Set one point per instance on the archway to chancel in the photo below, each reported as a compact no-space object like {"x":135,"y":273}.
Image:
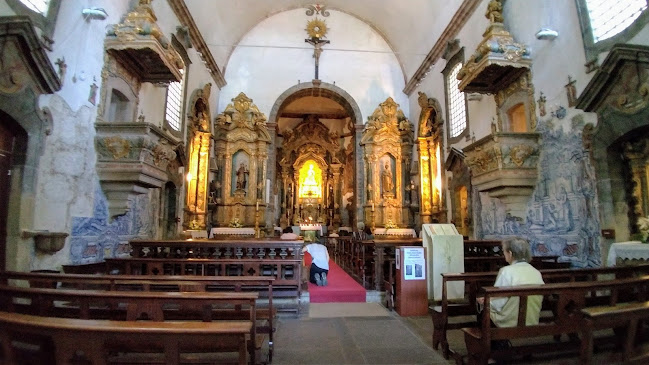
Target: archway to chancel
{"x":318,"y":129}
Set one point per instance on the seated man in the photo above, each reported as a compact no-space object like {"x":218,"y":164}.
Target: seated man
{"x":504,"y":311}
{"x":287,"y":234}
{"x":363,"y":233}
{"x":319,"y":264}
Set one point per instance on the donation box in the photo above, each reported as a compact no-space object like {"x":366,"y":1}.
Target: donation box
{"x":411,"y":297}
{"x":444,"y":254}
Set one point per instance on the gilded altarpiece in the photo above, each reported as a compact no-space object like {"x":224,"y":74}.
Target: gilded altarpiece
{"x":429,"y":144}
{"x":387,"y":144}
{"x":311,"y":175}
{"x":240,"y":154}
{"x":198,"y":168}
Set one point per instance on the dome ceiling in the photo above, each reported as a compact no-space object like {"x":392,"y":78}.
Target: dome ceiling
{"x":410,"y":27}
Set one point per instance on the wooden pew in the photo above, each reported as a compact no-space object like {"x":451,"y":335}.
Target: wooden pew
{"x":261,"y":284}
{"x":129,"y":306}
{"x":281,"y":259}
{"x":624,"y":315}
{"x":567,"y":300}
{"x":96,"y":339}
{"x":474,"y":282}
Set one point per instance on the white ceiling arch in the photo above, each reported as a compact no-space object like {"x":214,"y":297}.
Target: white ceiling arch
{"x":411,"y":28}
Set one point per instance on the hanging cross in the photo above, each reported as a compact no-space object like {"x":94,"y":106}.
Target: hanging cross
{"x":317,"y":43}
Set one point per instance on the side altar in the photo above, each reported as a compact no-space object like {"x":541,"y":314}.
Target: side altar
{"x":237,"y":195}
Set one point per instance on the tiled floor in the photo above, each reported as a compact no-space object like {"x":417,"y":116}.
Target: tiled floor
{"x":388,"y":339}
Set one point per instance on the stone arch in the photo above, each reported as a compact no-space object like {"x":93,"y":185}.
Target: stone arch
{"x":323,"y":89}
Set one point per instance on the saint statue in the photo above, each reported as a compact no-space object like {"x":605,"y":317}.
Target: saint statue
{"x":386,"y":179}
{"x":242,"y":176}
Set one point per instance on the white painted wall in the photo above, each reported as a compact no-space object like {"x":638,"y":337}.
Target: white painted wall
{"x":273,"y":57}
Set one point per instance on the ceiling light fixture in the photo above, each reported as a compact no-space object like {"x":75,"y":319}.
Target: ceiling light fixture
{"x":94,"y":13}
{"x":547,"y":34}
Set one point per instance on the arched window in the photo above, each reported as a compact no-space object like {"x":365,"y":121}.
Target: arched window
{"x":605,"y":23}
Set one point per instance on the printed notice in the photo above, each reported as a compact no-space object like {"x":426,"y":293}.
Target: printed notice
{"x":414,"y":263}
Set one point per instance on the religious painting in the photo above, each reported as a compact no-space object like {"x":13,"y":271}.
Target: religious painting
{"x":240,"y":171}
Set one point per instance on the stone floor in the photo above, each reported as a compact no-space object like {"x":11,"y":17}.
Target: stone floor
{"x":384,"y":339}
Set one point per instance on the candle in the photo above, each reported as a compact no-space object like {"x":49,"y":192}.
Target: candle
{"x":372,"y":206}
{"x":257,"y":208}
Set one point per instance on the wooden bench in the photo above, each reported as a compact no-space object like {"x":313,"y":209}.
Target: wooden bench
{"x":61,"y":340}
{"x":129,"y":306}
{"x":567,"y":301}
{"x":622,"y":315}
{"x":474,"y":282}
{"x":263,"y":285}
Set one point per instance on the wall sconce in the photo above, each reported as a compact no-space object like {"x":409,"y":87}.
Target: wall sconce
{"x":547,"y":34}
{"x":94,"y":13}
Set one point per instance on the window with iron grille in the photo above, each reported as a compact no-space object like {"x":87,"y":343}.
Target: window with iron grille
{"x":39,"y":6}
{"x":456,"y":103}
{"x":174,"y":104}
{"x":608,"y":18}
{"x":605,"y":23}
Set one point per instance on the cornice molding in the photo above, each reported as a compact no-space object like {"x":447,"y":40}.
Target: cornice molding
{"x":459,"y":20}
{"x":184,"y":16}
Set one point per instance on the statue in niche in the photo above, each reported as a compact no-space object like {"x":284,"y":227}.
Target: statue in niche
{"x":212,"y":192}
{"x":242,"y":177}
{"x":387,"y":181}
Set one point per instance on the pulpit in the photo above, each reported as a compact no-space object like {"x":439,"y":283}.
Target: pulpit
{"x":445,"y":253}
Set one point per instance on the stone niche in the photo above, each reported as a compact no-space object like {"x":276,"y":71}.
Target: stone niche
{"x":134,"y":155}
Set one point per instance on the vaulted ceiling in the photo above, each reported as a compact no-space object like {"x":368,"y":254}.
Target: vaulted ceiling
{"x":412,"y":28}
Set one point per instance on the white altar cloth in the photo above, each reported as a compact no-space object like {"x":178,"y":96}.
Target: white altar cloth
{"x":395,"y":232}
{"x":312,"y":227}
{"x":232,"y":231}
{"x":633,"y":250}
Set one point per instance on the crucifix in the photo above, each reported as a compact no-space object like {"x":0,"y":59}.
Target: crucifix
{"x":317,"y":44}
{"x":316,"y":29}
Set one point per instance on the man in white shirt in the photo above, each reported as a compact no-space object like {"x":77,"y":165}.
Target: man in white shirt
{"x":320,"y":263}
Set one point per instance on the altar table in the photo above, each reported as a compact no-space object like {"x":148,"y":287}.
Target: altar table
{"x":401,"y":232}
{"x":632,"y":250}
{"x":249,"y":231}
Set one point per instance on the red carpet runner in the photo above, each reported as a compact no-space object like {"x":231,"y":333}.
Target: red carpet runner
{"x":341,"y":289}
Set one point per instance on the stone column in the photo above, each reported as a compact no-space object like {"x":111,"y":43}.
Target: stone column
{"x":359,"y":179}
{"x":273,"y":212}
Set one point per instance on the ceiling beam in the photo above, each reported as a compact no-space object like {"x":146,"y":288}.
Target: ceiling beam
{"x":182,"y":12}
{"x":452,"y":29}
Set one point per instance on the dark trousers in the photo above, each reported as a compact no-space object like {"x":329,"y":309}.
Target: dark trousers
{"x":495,"y":344}
{"x":315,"y":270}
